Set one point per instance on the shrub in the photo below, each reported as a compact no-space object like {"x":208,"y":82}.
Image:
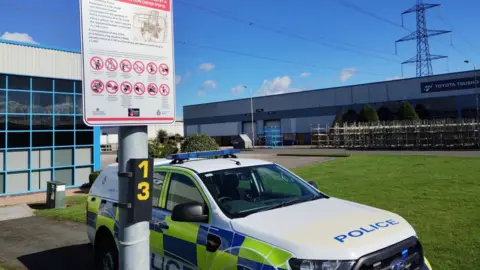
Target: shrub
{"x":162,"y":136}
{"x":368,"y":114}
{"x":350,"y":116}
{"x":385,"y":114}
{"x":407,"y":112}
{"x":199,"y":142}
{"x":170,"y":148}
{"x":422,"y":112}
{"x":93,"y":176}
{"x":155,"y":149}
{"x":338,"y":119}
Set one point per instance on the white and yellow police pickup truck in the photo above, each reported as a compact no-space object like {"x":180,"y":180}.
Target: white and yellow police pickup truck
{"x":232,"y":213}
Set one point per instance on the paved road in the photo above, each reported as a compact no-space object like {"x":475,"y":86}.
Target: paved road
{"x":36,"y":243}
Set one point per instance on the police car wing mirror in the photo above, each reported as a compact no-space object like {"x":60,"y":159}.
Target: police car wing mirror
{"x":313,"y":184}
{"x":189,"y":212}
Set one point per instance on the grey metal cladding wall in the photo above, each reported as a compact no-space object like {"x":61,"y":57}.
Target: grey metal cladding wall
{"x":318,"y":102}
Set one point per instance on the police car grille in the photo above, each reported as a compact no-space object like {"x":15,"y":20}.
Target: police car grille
{"x":405,"y":255}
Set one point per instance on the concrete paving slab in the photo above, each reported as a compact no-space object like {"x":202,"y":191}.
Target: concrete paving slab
{"x":36,"y":243}
{"x":14,"y":212}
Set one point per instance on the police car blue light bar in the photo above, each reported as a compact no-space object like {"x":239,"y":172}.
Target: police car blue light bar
{"x":203,"y":154}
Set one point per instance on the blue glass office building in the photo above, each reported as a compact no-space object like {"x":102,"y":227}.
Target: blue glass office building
{"x":42,"y":134}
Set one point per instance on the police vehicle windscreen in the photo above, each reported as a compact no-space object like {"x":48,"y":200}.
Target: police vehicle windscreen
{"x":243,"y":191}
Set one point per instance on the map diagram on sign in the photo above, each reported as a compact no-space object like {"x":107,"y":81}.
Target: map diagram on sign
{"x":152,"y":27}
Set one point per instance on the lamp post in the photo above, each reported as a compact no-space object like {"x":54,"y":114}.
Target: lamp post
{"x":475,"y":80}
{"x":251,"y":114}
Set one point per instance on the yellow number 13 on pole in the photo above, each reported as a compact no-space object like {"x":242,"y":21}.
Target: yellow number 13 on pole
{"x":143,"y":187}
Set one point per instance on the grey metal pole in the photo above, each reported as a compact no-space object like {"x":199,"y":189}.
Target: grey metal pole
{"x":475,"y":79}
{"x":134,"y":239}
{"x":251,"y":112}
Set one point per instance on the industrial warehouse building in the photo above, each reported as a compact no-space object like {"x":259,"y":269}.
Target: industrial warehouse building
{"x":43,"y":137}
{"x":450,"y":95}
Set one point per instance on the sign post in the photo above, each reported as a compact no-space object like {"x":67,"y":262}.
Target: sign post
{"x":128,"y":81}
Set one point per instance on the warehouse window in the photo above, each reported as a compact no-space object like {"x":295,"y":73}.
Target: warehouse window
{"x":42,"y":103}
{"x":42,"y":122}
{"x":19,"y":82}
{"x":65,"y":86}
{"x":42,"y":84}
{"x":80,"y":124}
{"x":78,"y":87}
{"x":18,"y":139}
{"x":64,"y":123}
{"x":19,"y":122}
{"x":3,"y":101}
{"x":3,"y":81}
{"x":18,"y":102}
{"x":64,"y":138}
{"x":64,"y":104}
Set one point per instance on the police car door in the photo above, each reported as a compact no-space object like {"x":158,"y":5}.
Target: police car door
{"x":179,"y":239}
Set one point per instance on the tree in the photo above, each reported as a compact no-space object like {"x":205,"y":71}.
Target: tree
{"x":199,"y":142}
{"x":407,"y":112}
{"x":422,"y":112}
{"x":385,"y":114}
{"x":368,"y":114}
{"x":350,"y":116}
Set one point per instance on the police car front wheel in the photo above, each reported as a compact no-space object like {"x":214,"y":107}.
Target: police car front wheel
{"x":106,"y":255}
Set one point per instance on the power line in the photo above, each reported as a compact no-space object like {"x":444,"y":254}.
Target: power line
{"x":278,"y":60}
{"x":283,"y":31}
{"x":269,"y":58}
{"x":387,"y":21}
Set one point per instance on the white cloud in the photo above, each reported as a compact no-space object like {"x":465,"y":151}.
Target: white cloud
{"x":20,"y":37}
{"x":209,"y":84}
{"x":347,"y":73}
{"x":278,"y":85}
{"x":207,"y":67}
{"x":178,"y":79}
{"x":305,"y":74}
{"x":238,"y":89}
{"x":201,"y":93}
{"x":393,"y":78}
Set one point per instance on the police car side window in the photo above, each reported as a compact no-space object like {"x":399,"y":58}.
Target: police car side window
{"x":182,"y":189}
{"x":158,"y":178}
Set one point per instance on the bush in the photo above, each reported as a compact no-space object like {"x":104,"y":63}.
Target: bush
{"x":155,"y":149}
{"x":199,"y":142}
{"x":162,"y":136}
{"x":368,"y":114}
{"x":350,"y":116}
{"x":385,"y":114}
{"x":422,"y":112}
{"x":407,"y":112}
{"x":170,"y":148}
{"x":338,"y":119}
{"x":93,"y":176}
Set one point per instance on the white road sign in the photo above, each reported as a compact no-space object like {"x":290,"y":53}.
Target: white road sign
{"x":127,"y":52}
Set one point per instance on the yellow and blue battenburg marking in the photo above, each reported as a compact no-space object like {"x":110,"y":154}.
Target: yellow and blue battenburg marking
{"x":104,"y":213}
{"x":236,"y":251}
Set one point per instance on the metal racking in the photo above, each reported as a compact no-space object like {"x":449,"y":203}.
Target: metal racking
{"x":273,"y":137}
{"x":419,"y":134}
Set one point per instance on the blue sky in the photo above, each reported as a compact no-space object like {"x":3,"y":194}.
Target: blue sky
{"x":359,"y":47}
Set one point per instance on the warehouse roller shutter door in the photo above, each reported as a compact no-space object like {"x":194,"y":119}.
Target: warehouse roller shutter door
{"x":247,"y":128}
{"x":273,"y":124}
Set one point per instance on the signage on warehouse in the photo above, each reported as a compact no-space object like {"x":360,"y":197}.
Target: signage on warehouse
{"x":449,"y":85}
{"x":127,"y":52}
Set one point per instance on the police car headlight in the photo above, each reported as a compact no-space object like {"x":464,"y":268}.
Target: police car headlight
{"x":298,"y":264}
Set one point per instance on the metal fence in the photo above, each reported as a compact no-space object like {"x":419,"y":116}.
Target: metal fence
{"x":421,"y":134}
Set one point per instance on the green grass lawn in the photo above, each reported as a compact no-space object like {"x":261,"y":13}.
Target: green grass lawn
{"x":439,"y":196}
{"x":74,"y":210}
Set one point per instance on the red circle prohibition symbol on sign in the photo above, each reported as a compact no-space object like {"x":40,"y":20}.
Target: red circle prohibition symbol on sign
{"x":126,"y":88}
{"x":151,"y":68}
{"x":96,"y":63}
{"x":97,"y":86}
{"x":111,"y":64}
{"x":164,"y":89}
{"x":112,"y":87}
{"x":163,"y":69}
{"x":125,"y":65}
{"x":152,"y":89}
{"x":139,"y":88}
{"x":139,"y":67}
